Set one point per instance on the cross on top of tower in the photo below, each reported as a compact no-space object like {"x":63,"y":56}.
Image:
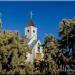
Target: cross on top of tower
{"x":30,"y":23}
{"x":31,"y":14}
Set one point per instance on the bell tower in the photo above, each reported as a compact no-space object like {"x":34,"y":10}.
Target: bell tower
{"x":31,"y":29}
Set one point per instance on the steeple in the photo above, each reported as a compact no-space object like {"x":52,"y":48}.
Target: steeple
{"x":30,"y":23}
{"x":31,"y":29}
{"x":31,"y":14}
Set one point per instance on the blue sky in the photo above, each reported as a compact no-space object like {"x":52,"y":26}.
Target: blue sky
{"x":46,"y":16}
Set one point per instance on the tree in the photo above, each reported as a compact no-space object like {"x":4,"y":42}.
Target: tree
{"x":67,"y":41}
{"x":50,"y":47}
{"x":67,"y":34}
{"x":13,"y":54}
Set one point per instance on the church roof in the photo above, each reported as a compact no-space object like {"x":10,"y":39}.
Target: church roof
{"x":33,"y":44}
{"x":30,"y":23}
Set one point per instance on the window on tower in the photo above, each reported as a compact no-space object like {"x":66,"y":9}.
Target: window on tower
{"x":28,"y":30}
{"x":34,"y":31}
{"x":38,"y":47}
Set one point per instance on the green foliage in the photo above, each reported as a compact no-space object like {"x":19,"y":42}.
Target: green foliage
{"x":13,"y":50}
{"x":67,"y":42}
{"x":67,"y":32}
{"x":50,"y":51}
{"x":13,"y":53}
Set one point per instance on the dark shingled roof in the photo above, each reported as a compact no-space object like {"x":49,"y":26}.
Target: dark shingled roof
{"x":30,"y":23}
{"x":33,"y":44}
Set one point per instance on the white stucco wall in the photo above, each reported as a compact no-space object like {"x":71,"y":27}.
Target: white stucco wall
{"x":31,"y":57}
{"x":31,"y":32}
{"x":33,"y":36}
{"x":35,"y":50}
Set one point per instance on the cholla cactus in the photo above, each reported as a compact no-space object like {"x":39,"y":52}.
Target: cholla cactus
{"x":50,"y":50}
{"x":67,"y":41}
{"x":65,"y":27}
{"x":12,"y":53}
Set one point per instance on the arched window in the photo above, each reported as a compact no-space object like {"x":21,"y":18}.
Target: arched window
{"x":34,"y":31}
{"x":27,"y":30}
{"x":38,"y":47}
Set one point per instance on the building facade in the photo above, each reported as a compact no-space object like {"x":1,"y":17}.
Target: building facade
{"x":33,"y":42}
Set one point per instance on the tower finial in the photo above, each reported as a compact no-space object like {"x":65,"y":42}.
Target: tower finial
{"x":31,"y":14}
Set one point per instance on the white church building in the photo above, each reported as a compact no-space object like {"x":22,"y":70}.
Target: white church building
{"x":33,"y":42}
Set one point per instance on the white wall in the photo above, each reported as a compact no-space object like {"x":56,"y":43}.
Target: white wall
{"x":33,"y":36}
{"x":30,"y":34}
{"x":35,"y":49}
{"x":31,"y":57}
